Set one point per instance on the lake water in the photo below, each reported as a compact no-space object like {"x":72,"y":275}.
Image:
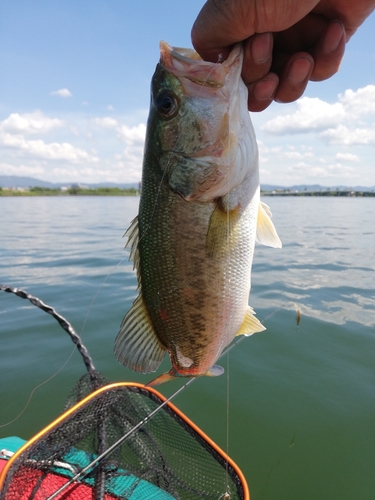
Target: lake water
{"x":302,"y":398}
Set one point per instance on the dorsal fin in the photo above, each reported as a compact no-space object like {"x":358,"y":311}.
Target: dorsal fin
{"x":266,"y":232}
{"x":132,"y":233}
{"x":137,"y":345}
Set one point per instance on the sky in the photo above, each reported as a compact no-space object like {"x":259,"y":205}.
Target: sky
{"x":75,"y":86}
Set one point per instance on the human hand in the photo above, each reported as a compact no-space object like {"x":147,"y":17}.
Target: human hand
{"x":286,"y":42}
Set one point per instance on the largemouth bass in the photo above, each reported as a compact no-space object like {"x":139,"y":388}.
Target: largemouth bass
{"x":199,"y":217}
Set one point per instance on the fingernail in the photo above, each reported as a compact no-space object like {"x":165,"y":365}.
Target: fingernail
{"x":332,"y":37}
{"x":264,"y":90}
{"x":299,"y":70}
{"x":261,"y":47}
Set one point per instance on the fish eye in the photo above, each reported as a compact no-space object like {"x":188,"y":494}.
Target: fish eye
{"x":166,"y":103}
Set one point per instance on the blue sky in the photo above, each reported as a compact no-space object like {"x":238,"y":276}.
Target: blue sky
{"x":74,"y":97}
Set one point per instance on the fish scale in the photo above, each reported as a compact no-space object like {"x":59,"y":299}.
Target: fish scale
{"x":199,"y":217}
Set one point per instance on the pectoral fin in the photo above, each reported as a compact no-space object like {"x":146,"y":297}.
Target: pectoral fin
{"x":266,"y":232}
{"x":219,"y":237}
{"x":250,"y":324}
{"x":137,"y":345}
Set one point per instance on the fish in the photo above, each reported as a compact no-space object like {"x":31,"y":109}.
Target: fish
{"x":192,"y":242}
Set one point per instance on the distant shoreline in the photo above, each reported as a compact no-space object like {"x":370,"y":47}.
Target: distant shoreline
{"x":343,"y":193}
{"x":76,"y":191}
{"x":73,"y":191}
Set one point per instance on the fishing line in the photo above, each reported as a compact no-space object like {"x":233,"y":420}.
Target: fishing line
{"x":66,"y":326}
{"x":228,"y":372}
{"x":97,"y":293}
{"x":30,"y":397}
{"x":227,"y":418}
{"x":112,"y":448}
{"x":69,"y":329}
{"x":242,"y":337}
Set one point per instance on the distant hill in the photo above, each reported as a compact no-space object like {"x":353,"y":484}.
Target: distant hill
{"x":16,"y":181}
{"x":23,"y":182}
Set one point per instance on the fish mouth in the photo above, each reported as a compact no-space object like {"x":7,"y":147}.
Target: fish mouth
{"x":187,"y":63}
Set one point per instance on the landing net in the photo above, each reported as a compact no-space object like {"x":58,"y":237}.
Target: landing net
{"x":165,"y":457}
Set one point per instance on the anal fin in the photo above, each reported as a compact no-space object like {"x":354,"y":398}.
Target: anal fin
{"x":250,"y":324}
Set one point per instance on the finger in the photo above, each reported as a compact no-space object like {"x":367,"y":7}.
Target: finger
{"x":257,"y":57}
{"x":329,"y":52}
{"x":262,"y":92}
{"x":294,"y":77}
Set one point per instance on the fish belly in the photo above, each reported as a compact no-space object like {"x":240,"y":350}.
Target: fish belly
{"x":196,"y":301}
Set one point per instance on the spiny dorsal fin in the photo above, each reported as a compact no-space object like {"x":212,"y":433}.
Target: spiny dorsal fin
{"x":132,"y":233}
{"x":137,"y":345}
{"x":266,"y":232}
{"x":250,"y":324}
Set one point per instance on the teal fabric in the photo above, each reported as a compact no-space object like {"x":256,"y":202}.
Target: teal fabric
{"x":12,"y":443}
{"x":119,"y":485}
{"x":122,"y":484}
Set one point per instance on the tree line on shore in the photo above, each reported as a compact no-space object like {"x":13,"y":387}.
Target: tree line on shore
{"x":71,"y":191}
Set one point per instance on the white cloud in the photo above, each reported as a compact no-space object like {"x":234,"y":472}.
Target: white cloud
{"x":359,"y":102}
{"x":312,"y":114}
{"x":106,"y":122}
{"x":336,"y":123}
{"x":347,"y":157}
{"x":29,"y":123}
{"x":295,"y":155}
{"x":52,"y":151}
{"x":303,"y":171}
{"x":345,"y":136}
{"x":133,"y":135}
{"x":62,"y":93}
{"x":25,"y":170}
